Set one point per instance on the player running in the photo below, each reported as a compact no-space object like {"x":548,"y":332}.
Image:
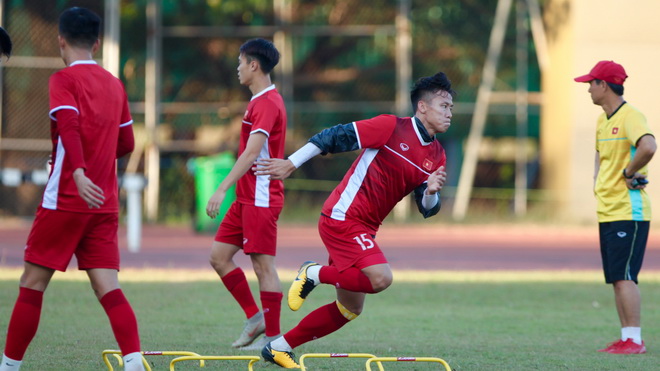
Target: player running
{"x":400,"y":155}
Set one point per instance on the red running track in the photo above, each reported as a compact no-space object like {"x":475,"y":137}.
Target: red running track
{"x":426,"y":247}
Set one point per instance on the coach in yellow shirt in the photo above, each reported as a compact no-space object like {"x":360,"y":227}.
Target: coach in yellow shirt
{"x":624,"y":146}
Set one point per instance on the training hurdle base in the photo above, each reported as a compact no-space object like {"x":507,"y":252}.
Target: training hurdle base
{"x":301,"y":361}
{"x":378,"y":360}
{"x":117,"y":355}
{"x":252,"y":359}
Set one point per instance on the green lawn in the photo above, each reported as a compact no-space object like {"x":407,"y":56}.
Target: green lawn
{"x":475,"y":321}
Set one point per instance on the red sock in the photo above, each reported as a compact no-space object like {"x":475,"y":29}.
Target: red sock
{"x":352,"y":279}
{"x":321,"y":322}
{"x":272,"y":305}
{"x":237,"y":285}
{"x":122,"y":320}
{"x":23,"y":323}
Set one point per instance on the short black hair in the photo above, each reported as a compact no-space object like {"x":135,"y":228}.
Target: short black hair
{"x":616,"y":88}
{"x":430,"y":85}
{"x":263,"y":51}
{"x":5,"y":43}
{"x":80,"y":27}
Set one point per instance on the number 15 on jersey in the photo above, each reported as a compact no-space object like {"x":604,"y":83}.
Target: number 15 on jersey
{"x":364,"y":241}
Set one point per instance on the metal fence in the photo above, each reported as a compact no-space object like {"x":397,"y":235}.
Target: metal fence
{"x":341,"y":62}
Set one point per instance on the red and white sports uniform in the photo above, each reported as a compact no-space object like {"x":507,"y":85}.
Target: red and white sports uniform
{"x":251,"y":221}
{"x":266,"y":114}
{"x":394,"y":162}
{"x":102,"y":106}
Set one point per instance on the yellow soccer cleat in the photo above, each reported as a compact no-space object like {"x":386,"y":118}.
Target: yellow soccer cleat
{"x":301,"y":287}
{"x":282,"y":359}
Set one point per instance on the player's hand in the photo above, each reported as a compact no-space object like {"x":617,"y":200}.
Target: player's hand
{"x":638,"y":184}
{"x":275,"y":168}
{"x":213,"y":206}
{"x":90,"y":192}
{"x":436,"y":181}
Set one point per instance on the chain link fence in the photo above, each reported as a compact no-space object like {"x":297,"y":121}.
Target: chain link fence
{"x":343,"y":67}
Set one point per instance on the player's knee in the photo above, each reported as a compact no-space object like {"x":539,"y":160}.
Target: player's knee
{"x":214,"y":262}
{"x":265,"y":274}
{"x":218,"y":263}
{"x":381,"y":281}
{"x":264,"y":269}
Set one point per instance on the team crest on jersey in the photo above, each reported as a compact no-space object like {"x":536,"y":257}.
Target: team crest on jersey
{"x":615,"y":130}
{"x":427,"y":164}
{"x":404,"y":147}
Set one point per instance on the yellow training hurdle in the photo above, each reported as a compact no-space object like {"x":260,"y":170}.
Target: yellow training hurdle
{"x":252,"y":359}
{"x":117,"y":355}
{"x":378,"y":360}
{"x":335,"y":355}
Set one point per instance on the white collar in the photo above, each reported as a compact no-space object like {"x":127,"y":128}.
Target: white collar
{"x":419,"y":135}
{"x":91,"y":61}
{"x":272,"y":87}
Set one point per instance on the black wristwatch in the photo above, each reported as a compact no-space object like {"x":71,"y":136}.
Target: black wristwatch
{"x":626,"y":176}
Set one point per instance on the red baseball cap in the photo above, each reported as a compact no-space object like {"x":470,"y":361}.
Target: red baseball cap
{"x":608,"y":71}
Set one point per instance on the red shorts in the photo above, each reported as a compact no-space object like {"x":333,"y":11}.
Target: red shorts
{"x":349,"y":244}
{"x":57,"y":235}
{"x":252,"y":228}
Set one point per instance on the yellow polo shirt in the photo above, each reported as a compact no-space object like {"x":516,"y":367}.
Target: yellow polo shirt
{"x":616,"y":138}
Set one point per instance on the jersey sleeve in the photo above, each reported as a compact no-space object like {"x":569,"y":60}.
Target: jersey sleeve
{"x":61,"y":90}
{"x":374,"y":132}
{"x":68,"y":124}
{"x":126,"y":118}
{"x":419,"y":197}
{"x":636,"y":127}
{"x":265,"y":114}
{"x":336,"y":139}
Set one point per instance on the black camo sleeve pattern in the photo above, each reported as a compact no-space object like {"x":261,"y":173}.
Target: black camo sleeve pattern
{"x":337,"y":139}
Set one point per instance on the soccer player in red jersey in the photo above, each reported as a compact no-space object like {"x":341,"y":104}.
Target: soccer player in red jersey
{"x":91,"y":127}
{"x":400,"y":155}
{"x":251,"y":222}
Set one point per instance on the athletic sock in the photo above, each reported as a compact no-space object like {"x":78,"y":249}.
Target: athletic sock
{"x":281,"y":344}
{"x":313,"y":273}
{"x":239,"y":288}
{"x":271,"y":303}
{"x":351,"y":279}
{"x":24,"y":322}
{"x":122,"y":321}
{"x":133,"y":362}
{"x":319,"y":323}
{"x":9,"y":364}
{"x":634,"y":333}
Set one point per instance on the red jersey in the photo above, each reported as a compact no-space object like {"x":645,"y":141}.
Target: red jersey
{"x":266,"y":114}
{"x":395,"y":161}
{"x":100,"y":101}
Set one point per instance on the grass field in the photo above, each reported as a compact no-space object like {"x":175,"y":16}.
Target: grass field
{"x":473,"y":320}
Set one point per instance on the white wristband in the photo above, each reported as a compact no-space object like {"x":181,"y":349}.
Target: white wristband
{"x":304,"y":154}
{"x":429,"y":201}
